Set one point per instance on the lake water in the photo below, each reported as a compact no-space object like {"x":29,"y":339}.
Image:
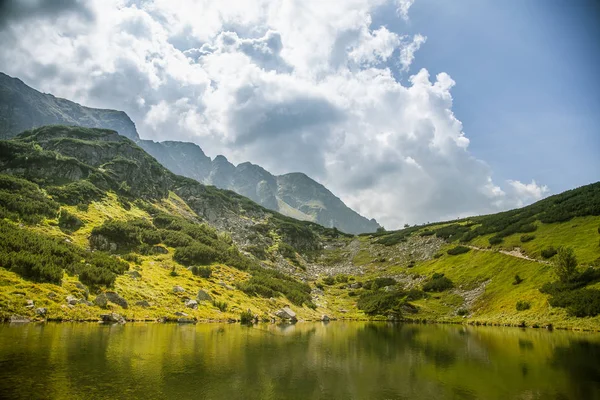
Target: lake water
{"x":304,"y":361}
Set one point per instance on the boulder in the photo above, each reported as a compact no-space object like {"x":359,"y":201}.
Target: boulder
{"x":203,"y":296}
{"x":180,"y":314}
{"x":18,"y":319}
{"x":41,"y":311}
{"x":186,"y":321}
{"x":112,"y":318}
{"x":101,"y":300}
{"x":142,"y":303}
{"x":29,"y":304}
{"x":355,"y":285}
{"x":83,"y":288}
{"x":286,"y":313}
{"x":51,"y":295}
{"x":325,"y":318}
{"x":72,"y":300}
{"x":113,"y":297}
{"x":178,"y":289}
{"x":134,"y":274}
{"x":159,"y":250}
{"x":193,"y":304}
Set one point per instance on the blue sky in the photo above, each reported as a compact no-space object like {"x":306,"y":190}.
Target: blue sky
{"x":527,"y":81}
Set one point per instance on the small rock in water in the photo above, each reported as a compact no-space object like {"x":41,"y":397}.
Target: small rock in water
{"x":112,"y":318}
{"x":325,"y":318}
{"x":18,"y":319}
{"x":287,"y":314}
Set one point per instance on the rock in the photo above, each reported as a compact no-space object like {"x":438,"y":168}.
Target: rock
{"x":324,"y":318}
{"x":181,"y":314}
{"x":355,"y":285}
{"x":18,"y":319}
{"x":87,"y":303}
{"x":389,"y":289}
{"x":178,"y":289}
{"x":193,"y":304}
{"x":83,"y":288}
{"x":29,"y":304}
{"x":343,"y":311}
{"x":134,"y":274}
{"x":51,"y":295}
{"x":286,"y":313}
{"x":203,"y":296}
{"x":142,"y":303}
{"x":112,"y":318}
{"x":159,"y":250}
{"x":41,"y":311}
{"x":186,"y":321}
{"x":226,"y":286}
{"x":72,"y":300}
{"x":113,"y":297}
{"x":101,"y":300}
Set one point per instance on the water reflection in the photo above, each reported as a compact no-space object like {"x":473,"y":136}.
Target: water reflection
{"x":304,"y":361}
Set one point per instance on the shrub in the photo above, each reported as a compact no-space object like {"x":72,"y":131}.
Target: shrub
{"x":196,"y":254}
{"x":427,"y":233}
{"x":23,"y":200}
{"x":579,"y":303}
{"x":221,"y":305}
{"x":462,"y":311}
{"x":176,"y":239}
{"x":69,"y":222}
{"x":495,"y":240}
{"x":458,"y":250}
{"x":517,"y":280}
{"x":123,"y":233}
{"x":80,"y":192}
{"x":271,"y":283}
{"x":437,"y":283}
{"x":150,"y":237}
{"x":527,"y":238}
{"x":437,"y":255}
{"x":378,"y":283}
{"x":246,"y":317}
{"x":341,"y":278}
{"x":549,"y":252}
{"x":203,"y":272}
{"x":380,"y":302}
{"x":522,"y":305}
{"x":329,"y":280}
{"x":565,"y":264}
{"x":132,"y":257}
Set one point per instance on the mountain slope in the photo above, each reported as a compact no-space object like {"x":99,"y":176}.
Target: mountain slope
{"x":22,"y":107}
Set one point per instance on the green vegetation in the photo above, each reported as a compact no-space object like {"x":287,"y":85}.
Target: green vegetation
{"x":438,"y":283}
{"x":549,"y":252}
{"x":246,"y":317}
{"x":565,"y":264}
{"x":458,"y":250}
{"x":526,"y":238}
{"x":522,"y":305}
{"x":21,"y":200}
{"x":79,"y":192}
{"x":270,"y":283}
{"x":203,"y":272}
{"x":69,"y":222}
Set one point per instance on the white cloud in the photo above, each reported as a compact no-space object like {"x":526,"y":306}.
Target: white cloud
{"x":294,"y":85}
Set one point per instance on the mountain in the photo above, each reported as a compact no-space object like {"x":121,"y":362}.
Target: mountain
{"x":92,"y":224}
{"x":22,"y":108}
{"x":295,"y":194}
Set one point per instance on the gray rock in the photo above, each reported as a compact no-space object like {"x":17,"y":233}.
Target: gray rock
{"x":72,"y":300}
{"x":134,"y":274}
{"x":193,"y":304}
{"x":83,"y":288}
{"x":18,"y":319}
{"x":29,"y":304}
{"x":112,"y":318}
{"x":324,"y":318}
{"x":203,"y":296}
{"x":186,"y":321}
{"x":355,"y":285}
{"x":101,"y":300}
{"x":52,"y":295}
{"x":142,"y":303}
{"x":178,"y":289}
{"x":41,"y":311}
{"x":286,"y":313}
{"x":180,"y":314}
{"x":113,"y":297}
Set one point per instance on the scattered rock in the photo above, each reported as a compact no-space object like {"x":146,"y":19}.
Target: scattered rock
{"x":203,"y":296}
{"x":83,"y":288}
{"x":178,"y":289}
{"x":134,"y":274}
{"x":142,"y":303}
{"x":181,"y":314}
{"x":324,"y":318}
{"x":41,"y":311}
{"x":193,"y":304}
{"x":112,"y":318}
{"x":355,"y":285}
{"x":51,"y":295}
{"x":18,"y":319}
{"x":29,"y":304}
{"x":72,"y":300}
{"x":113,"y":297}
{"x":286,"y":313}
{"x":101,"y":300}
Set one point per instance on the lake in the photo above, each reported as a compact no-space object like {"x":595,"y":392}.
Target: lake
{"x":339,"y":360}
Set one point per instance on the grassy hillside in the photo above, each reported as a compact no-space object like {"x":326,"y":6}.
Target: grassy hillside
{"x":91,"y":223}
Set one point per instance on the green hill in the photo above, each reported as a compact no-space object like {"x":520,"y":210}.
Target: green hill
{"x":90,"y":222}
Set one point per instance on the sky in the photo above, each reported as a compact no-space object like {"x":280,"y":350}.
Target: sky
{"x":410,"y":111}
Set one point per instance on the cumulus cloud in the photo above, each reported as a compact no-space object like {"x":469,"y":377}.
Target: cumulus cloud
{"x":294,"y":85}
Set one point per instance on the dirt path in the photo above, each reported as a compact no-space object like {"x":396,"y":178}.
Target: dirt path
{"x":516,"y":252}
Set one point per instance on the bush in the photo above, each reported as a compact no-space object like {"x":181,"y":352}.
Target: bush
{"x":80,"y":192}
{"x":203,"y":272}
{"x":271,"y":283}
{"x":527,"y":238}
{"x":517,"y":280}
{"x":150,"y":237}
{"x":549,"y":252}
{"x":341,"y":278}
{"x":380,"y":302}
{"x":522,"y":305}
{"x":196,"y":254}
{"x":379,"y":283}
{"x":23,"y":200}
{"x":565,"y":264}
{"x":176,"y":239}
{"x":69,"y":222}
{"x":246,"y":317}
{"x":462,"y":312}
{"x":495,"y":240}
{"x":458,"y":250}
{"x":437,"y":283}
{"x":132,"y":257}
{"x":579,"y":303}
{"x":427,"y":233}
{"x":221,"y":305}
{"x":329,"y":280}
